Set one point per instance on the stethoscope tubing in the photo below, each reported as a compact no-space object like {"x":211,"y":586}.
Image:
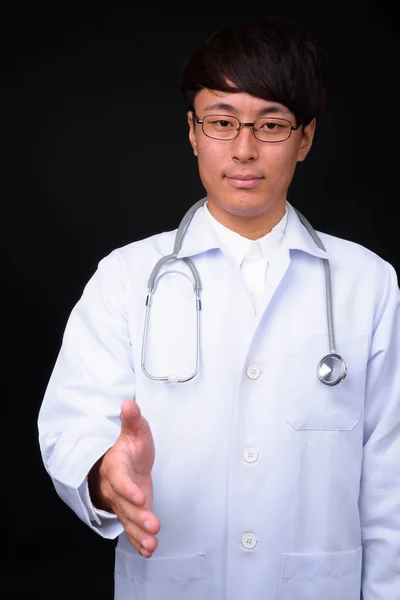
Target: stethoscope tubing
{"x":331,"y":369}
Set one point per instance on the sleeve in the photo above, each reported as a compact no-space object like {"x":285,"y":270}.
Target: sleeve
{"x":78,"y":420}
{"x":379,"y":501}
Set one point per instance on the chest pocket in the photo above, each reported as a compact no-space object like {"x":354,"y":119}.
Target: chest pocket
{"x":310,"y":404}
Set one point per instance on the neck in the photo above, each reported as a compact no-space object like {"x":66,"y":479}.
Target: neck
{"x":253,"y":226}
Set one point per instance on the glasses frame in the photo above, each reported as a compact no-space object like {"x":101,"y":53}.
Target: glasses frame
{"x":238,"y":129}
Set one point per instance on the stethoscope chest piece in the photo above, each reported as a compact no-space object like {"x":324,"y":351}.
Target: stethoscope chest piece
{"x":332,"y":369}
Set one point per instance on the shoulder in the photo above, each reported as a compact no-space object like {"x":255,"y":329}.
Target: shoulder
{"x":359,"y":264}
{"x":138,"y":255}
{"x":352,"y":253}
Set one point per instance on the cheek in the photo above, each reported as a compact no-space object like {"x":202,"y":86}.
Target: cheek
{"x":208,"y":152}
{"x":210,"y":160}
{"x":280,"y":163}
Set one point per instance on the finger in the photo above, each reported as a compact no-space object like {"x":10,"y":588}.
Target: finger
{"x":140,"y":527}
{"x":140,"y":539}
{"x":132,"y":422}
{"x":120,"y":480}
{"x":139,"y":548}
{"x":143,"y":519}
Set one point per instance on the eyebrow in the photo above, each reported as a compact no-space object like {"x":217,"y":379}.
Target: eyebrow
{"x":268,"y":110}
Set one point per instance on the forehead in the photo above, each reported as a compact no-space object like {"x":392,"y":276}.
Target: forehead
{"x":237,"y":103}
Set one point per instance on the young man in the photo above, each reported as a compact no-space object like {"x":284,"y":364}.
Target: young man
{"x":239,"y":428}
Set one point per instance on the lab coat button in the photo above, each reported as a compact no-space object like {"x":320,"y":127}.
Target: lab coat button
{"x":249,"y":541}
{"x":253,"y":371}
{"x":250,"y":455}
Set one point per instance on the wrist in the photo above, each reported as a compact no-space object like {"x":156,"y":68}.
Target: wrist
{"x":96,"y":487}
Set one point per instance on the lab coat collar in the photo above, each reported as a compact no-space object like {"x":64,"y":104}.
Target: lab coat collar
{"x":297,"y":237}
{"x":200,"y":236}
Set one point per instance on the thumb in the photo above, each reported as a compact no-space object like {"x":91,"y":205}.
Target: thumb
{"x":132,"y":422}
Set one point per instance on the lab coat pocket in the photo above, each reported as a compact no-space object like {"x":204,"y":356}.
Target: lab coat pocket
{"x":312,"y":404}
{"x":169,"y":578}
{"x":324,"y":576}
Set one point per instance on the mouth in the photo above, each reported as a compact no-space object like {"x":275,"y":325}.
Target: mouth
{"x":244,"y":181}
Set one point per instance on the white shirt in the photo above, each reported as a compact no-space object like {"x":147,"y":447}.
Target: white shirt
{"x":252,"y":256}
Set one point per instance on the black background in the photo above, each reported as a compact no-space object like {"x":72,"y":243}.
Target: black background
{"x":94,"y":154}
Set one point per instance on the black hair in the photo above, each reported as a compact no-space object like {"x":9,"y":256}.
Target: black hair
{"x":270,"y":58}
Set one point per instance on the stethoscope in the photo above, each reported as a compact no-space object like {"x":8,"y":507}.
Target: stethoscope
{"x":331,"y":369}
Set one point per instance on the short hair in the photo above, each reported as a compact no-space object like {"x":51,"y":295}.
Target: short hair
{"x":270,"y":58}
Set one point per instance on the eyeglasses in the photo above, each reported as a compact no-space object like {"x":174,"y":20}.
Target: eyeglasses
{"x":225,"y":127}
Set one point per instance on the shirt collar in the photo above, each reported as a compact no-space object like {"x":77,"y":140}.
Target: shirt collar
{"x":200,"y":235}
{"x":238,"y":247}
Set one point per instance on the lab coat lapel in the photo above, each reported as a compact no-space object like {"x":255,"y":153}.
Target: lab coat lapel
{"x":296,"y":238}
{"x":199,"y":236}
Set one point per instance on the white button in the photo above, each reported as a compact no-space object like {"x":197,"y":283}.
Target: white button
{"x":250,"y":455}
{"x":253,"y":371}
{"x":249,"y":541}
{"x":254,"y":250}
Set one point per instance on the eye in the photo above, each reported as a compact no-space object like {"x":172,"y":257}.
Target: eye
{"x":271,"y":125}
{"x":220,"y":127}
{"x":223,"y":123}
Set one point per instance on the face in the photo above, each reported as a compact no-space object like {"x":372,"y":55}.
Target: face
{"x":246,"y":180}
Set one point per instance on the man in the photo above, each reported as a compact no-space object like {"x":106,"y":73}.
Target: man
{"x":234,"y":415}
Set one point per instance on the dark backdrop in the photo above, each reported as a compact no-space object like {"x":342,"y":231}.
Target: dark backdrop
{"x":94,"y":154}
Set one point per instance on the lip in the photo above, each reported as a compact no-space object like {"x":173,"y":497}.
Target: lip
{"x":244,"y":181}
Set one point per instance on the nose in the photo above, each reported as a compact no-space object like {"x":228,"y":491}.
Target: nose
{"x":245,"y":145}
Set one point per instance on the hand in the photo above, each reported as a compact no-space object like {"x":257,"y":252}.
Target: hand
{"x":121,"y":480}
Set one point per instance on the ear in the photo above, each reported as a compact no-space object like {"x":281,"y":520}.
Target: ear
{"x":306,"y":140}
{"x":192,"y":132}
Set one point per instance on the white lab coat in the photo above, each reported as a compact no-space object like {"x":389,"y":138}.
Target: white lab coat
{"x":268,"y":484}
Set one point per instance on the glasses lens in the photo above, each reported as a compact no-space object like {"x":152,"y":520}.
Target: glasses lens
{"x":221,"y":127}
{"x":272,"y":130}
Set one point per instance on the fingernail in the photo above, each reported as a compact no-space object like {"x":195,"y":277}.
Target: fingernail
{"x":135,"y":499}
{"x":147,"y":525}
{"x":145,"y":544}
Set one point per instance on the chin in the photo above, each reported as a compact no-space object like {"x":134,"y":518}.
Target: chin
{"x":245,"y":203}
